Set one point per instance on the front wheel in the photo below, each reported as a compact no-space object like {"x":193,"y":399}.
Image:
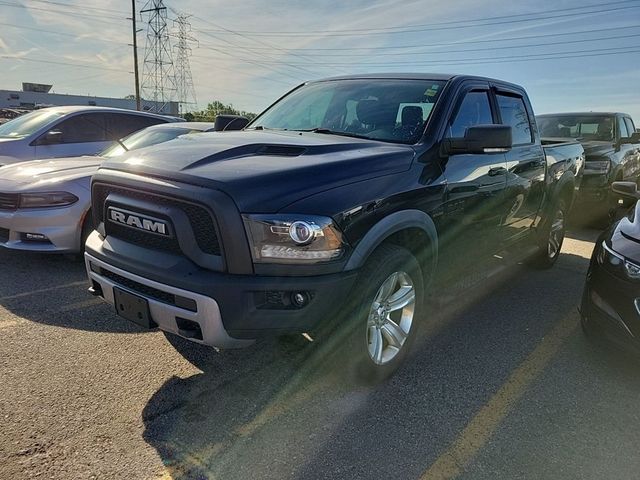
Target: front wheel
{"x":383,"y":322}
{"x":551,"y":237}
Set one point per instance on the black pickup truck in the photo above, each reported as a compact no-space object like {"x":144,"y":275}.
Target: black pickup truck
{"x":612,"y":149}
{"x":337,"y":207}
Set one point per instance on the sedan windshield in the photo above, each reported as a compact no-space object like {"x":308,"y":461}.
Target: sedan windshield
{"x":588,"y":127}
{"x":145,"y":138}
{"x":27,"y":124}
{"x":389,"y":110}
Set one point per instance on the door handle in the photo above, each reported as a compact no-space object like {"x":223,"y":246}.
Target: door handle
{"x":495,"y":171}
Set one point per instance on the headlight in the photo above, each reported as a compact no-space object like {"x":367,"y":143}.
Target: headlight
{"x":293,"y":238}
{"x":47,"y":199}
{"x":617,"y":264}
{"x":597,"y":166}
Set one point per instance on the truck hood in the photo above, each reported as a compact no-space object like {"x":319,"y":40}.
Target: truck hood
{"x":594,"y":149}
{"x":47,"y":172}
{"x":264,"y":171}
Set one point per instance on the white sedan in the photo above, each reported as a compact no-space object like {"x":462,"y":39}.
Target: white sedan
{"x":45,"y":204}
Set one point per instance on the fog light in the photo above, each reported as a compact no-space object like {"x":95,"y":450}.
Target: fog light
{"x":34,"y":237}
{"x":300,"y":299}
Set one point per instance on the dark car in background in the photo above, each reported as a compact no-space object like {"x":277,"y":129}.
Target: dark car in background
{"x":612,"y":149}
{"x":611,"y":300}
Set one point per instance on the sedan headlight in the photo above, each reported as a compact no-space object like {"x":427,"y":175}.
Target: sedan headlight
{"x":46,"y":199}
{"x":597,"y":167}
{"x":293,"y":238}
{"x":617,"y":264}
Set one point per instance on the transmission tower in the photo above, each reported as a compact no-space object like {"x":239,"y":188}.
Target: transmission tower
{"x":158,"y":78}
{"x":186,"y":93}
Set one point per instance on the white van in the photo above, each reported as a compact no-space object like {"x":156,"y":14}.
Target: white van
{"x":69,"y":131}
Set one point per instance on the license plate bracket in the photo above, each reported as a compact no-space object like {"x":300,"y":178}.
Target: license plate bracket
{"x":133,"y":307}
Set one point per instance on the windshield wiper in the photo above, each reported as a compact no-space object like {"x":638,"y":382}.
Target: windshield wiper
{"x":328,"y":131}
{"x":122,"y":145}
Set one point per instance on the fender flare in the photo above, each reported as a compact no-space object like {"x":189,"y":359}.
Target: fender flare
{"x":389,"y":225}
{"x":566,"y":179}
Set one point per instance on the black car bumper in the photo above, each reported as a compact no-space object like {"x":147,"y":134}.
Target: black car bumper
{"x":225,"y":307}
{"x":610,"y":305}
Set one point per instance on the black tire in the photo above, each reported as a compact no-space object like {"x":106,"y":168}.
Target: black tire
{"x":550,"y":239}
{"x":386,"y":261}
{"x":200,"y":356}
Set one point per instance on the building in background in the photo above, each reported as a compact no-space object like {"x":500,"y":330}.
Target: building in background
{"x":36,"y":95}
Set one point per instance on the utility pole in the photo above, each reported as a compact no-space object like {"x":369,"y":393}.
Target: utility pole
{"x":135,"y":53}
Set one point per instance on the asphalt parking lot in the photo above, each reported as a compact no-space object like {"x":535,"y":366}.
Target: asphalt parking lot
{"x":502,"y":385}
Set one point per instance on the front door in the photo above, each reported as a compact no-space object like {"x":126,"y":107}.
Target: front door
{"x":474,"y":195}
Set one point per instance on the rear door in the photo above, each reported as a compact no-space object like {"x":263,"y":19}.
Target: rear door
{"x":81,"y":134}
{"x":526,"y":163}
{"x":474,"y":196}
{"x":119,"y":125}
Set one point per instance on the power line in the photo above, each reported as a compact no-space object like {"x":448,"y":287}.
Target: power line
{"x":104,"y":18}
{"x":53,"y":62}
{"x":432,"y":27}
{"x":484,"y":49}
{"x":74,"y":7}
{"x":461,"y":42}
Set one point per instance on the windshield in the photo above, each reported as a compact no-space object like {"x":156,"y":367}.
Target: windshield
{"x":145,"y":138}
{"x":388,"y":110}
{"x":27,"y":124}
{"x":588,"y":127}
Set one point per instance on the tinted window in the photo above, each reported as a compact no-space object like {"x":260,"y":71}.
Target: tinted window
{"x":27,"y":124}
{"x":631,"y":129}
{"x":474,"y":110}
{"x":514,"y":113}
{"x":588,"y":127}
{"x":119,"y":125}
{"x":83,"y":128}
{"x":622,"y":129}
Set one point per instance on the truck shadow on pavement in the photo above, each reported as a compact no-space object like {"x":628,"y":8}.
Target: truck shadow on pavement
{"x":280,"y":410}
{"x":52,"y":290}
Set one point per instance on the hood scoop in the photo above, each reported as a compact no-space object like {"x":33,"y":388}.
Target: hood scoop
{"x":280,"y":150}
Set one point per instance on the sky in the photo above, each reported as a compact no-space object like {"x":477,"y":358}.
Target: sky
{"x":570,"y":55}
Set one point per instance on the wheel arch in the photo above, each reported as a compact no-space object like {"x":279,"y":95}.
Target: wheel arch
{"x":411,"y":229}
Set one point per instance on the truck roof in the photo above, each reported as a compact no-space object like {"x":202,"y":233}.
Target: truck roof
{"x":413,"y":76}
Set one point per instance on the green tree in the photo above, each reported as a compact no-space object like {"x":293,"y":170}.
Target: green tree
{"x":214,"y":109}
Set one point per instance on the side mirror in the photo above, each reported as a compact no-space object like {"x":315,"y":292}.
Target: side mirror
{"x":634,"y":138}
{"x":52,"y":137}
{"x":224,"y":123}
{"x":480,"y":139}
{"x":626,"y":189}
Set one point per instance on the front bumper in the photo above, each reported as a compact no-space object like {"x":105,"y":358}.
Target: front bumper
{"x":229,"y":309}
{"x":61,"y":226}
{"x":612,"y":304}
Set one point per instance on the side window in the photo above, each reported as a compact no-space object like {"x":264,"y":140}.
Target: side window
{"x":119,"y":125}
{"x":631,"y":129}
{"x":83,"y":128}
{"x":474,"y":110}
{"x":514,"y":113}
{"x":622,"y":128}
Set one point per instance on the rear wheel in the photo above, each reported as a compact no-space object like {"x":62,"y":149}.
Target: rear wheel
{"x":383,"y":322}
{"x":552,"y":237}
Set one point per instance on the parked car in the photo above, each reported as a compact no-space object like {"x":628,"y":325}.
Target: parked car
{"x":44,"y":204}
{"x":612,"y":149}
{"x":336,"y":208}
{"x":69,"y":131}
{"x":611,"y":301}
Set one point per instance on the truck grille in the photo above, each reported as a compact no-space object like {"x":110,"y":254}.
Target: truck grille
{"x":199,"y":217}
{"x":9,"y":201}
